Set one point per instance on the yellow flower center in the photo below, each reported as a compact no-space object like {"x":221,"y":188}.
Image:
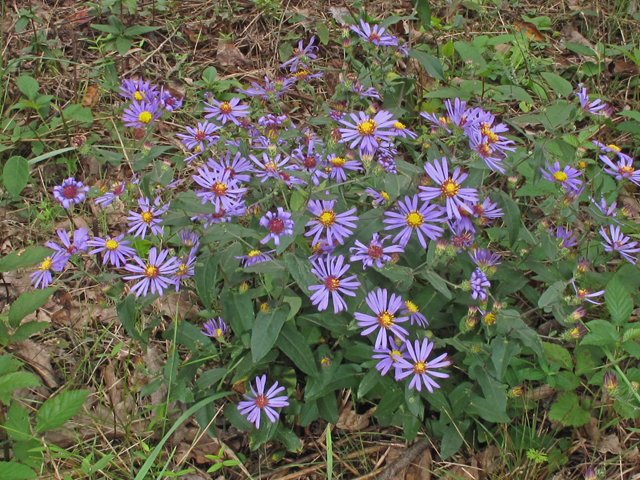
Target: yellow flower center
{"x":614,"y":147}
{"x":444,"y":120}
{"x":367,"y":127}
{"x":147,"y":217}
{"x":145,"y":117}
{"x":111,"y":245}
{"x":449,"y":188}
{"x":414,"y":219}
{"x":395,"y":355}
{"x":225,"y":108}
{"x":218,"y":332}
{"x":271,"y":167}
{"x":332,"y":283}
{"x":419,"y":367}
{"x":182,"y":270}
{"x":138,"y":95}
{"x":384,"y":195}
{"x":151,"y":271}
{"x":219,"y":189}
{"x":264,"y":307}
{"x":626,"y":170}
{"x":412,"y":307}
{"x":385,"y":319}
{"x":327,"y":218}
{"x":253,"y":253}
{"x":490,"y":318}
{"x":301,"y":74}
{"x":338,"y":161}
{"x":399,"y":126}
{"x":560,"y":176}
{"x":47,"y":263}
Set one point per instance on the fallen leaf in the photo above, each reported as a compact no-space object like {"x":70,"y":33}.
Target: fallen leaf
{"x":530,"y":30}
{"x":540,"y":392}
{"x":350,"y":421}
{"x":625,"y":69}
{"x":592,"y":431}
{"x":490,"y":459}
{"x":228,"y":55}
{"x":571,"y":35}
{"x":38,"y":358}
{"x":610,"y":444}
{"x":91,"y":97}
{"x":337,"y":13}
{"x":421,"y":470}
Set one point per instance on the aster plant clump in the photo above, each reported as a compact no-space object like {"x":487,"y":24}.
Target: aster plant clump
{"x":405,"y":251}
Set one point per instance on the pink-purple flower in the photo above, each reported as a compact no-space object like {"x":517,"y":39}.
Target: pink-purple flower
{"x":412,"y":218}
{"x":567,"y":176}
{"x":374,"y":253}
{"x":42,"y":277}
{"x":335,"y":226}
{"x":154,"y":274}
{"x":385,"y":309}
{"x":330,"y":271}
{"x":301,"y":56}
{"x":147,"y":218}
{"x":214,"y":328}
{"x":450,"y":187}
{"x":79,"y":244}
{"x":616,"y":241}
{"x":422,"y":369}
{"x":278,"y":224}
{"x":479,"y":284}
{"x":115,"y":249}
{"x":255,"y":256}
{"x":70,"y":192}
{"x":260,"y":401}
{"x":367,"y":132}
{"x":375,"y":34}
{"x":141,"y":114}
{"x":226,"y":111}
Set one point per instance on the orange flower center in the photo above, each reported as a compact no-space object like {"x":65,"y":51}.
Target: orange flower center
{"x":419,"y":368}
{"x":219,"y":189}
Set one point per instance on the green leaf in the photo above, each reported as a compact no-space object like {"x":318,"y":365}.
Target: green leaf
{"x":27,"y":329}
{"x":552,"y":295}
{"x":568,"y":411}
{"x":503,"y":351}
{"x":237,"y":308}
{"x":123,"y":44}
{"x":27,"y":303}
{"x":431,"y":64}
{"x":469,"y":52}
{"x":601,"y":333}
{"x":57,"y":410}
{"x":127,"y":315}
{"x":299,"y":268}
{"x":15,"y":175}
{"x":17,"y":424}
{"x":79,"y":113}
{"x":294,"y":346}
{"x":512,"y":216}
{"x":493,"y":406}
{"x":449,"y":92}
{"x":328,"y":408}
{"x":558,"y":84}
{"x":206,"y":276}
{"x":209,"y":75}
{"x":452,"y":440}
{"x":437,"y":282}
{"x":24,"y":258}
{"x":370,"y":380}
{"x":285,"y":51}
{"x":618,"y":301}
{"x":423,"y":9}
{"x":559,"y":354}
{"x":448,"y":49}
{"x":581,"y":49}
{"x":106,"y":29}
{"x":139,"y":30}
{"x":210,"y":377}
{"x":14,"y":381}
{"x":28,"y":85}
{"x":288,"y":438}
{"x":16,"y":471}
{"x":266,"y":330}
{"x":323,"y":33}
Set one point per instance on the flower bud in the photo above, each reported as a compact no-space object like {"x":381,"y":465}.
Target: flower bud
{"x":610,"y":382}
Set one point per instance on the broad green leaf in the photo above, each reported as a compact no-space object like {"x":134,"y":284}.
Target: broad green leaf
{"x":294,"y":346}
{"x":511,"y":215}
{"x":618,"y":301}
{"x":452,"y":439}
{"x":27,"y":329}
{"x":601,"y":333}
{"x":431,"y":64}
{"x":106,"y":29}
{"x":237,"y":308}
{"x":448,"y":49}
{"x":14,"y":381}
{"x":559,"y":114}
{"x":299,"y":268}
{"x":79,"y":113}
{"x":423,"y":9}
{"x":328,"y":408}
{"x":323,"y":33}
{"x":139,"y":30}
{"x":285,"y":51}
{"x":288,"y":437}
{"x":568,"y":411}
{"x":191,"y":337}
{"x":24,"y":258}
{"x":469,"y":52}
{"x":581,"y":49}
{"x":494,"y":404}
{"x":206,"y":276}
{"x":552,"y":295}
{"x":123,"y":44}
{"x":28,"y":85}
{"x":209,"y":75}
{"x":437,"y":282}
{"x":57,"y":410}
{"x":210,"y":377}
{"x":503,"y":351}
{"x":370,"y":380}
{"x":558,"y":84}
{"x":15,"y":175}
{"x":559,"y":354}
{"x":17,"y":424}
{"x":27,"y":303}
{"x":266,"y":330}
{"x":16,"y":471}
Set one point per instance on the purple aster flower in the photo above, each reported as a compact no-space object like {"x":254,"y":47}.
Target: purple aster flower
{"x":301,"y":56}
{"x":479,"y":284}
{"x":236,"y":167}
{"x":169,"y":102}
{"x":147,"y":218}
{"x":385,"y":309}
{"x":154,"y":274}
{"x":606,"y":210}
{"x":462,"y":233}
{"x":457,"y":115}
{"x":336,"y":225}
{"x":362,"y":91}
{"x":423,"y":371}
{"x":594,"y":107}
{"x":189,"y":238}
{"x":79,"y":244}
{"x":185,"y":268}
{"x":336,"y":167}
{"x":223,"y":216}
{"x":565,"y":237}
{"x":138,"y":90}
{"x":117,"y":190}
{"x":374,"y":35}
{"x":271,"y":91}
{"x":483,"y":122}
{"x":310,"y":163}
{"x":399,"y":129}
{"x":388,"y":357}
{"x":450,"y":188}
{"x":388,"y":165}
{"x":269,"y":168}
{"x":486,"y":212}
{"x":42,"y":277}
{"x":219,"y":188}
{"x":260,"y":401}
{"x":374,"y":252}
{"x":226,"y":111}
{"x":618,"y":242}
{"x":585,"y":294}
{"x":141,"y":114}
{"x":379,"y":198}
{"x":116,"y":250}
{"x":255,"y":256}
{"x":195,"y":138}
{"x":413,"y":219}
{"x":278,"y":224}
{"x":413,"y":311}
{"x":71,"y":191}
{"x":321,"y":248}
{"x":622,"y":169}
{"x":567,"y":177}
{"x":484,"y":258}
{"x":480,"y":144}
{"x":367,"y":132}
{"x":330,"y":270}
{"x":214,"y":328}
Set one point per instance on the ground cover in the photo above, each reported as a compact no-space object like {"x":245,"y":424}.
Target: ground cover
{"x":268,"y":240}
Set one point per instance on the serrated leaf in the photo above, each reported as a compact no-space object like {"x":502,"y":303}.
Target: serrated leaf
{"x":294,"y":346}
{"x":558,"y":84}
{"x":266,"y":330}
{"x":17,"y":424}
{"x":79,"y":113}
{"x":567,"y":410}
{"x":600,"y":333}
{"x":631,"y":334}
{"x":431,"y":64}
{"x":15,"y":175}
{"x":28,"y":85}
{"x":24,"y":258}
{"x":618,"y":301}
{"x":14,"y":381}
{"x":28,"y":303}
{"x":16,"y":471}
{"x":27,"y":329}
{"x":57,"y":410}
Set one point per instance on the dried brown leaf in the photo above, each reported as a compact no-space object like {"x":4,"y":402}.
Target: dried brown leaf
{"x":228,"y":55}
{"x":38,"y":358}
{"x":610,"y":444}
{"x":91,"y":97}
{"x":350,"y":421}
{"x":592,"y":431}
{"x":421,"y":469}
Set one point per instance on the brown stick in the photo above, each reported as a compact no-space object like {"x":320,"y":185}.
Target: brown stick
{"x":404,"y":460}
